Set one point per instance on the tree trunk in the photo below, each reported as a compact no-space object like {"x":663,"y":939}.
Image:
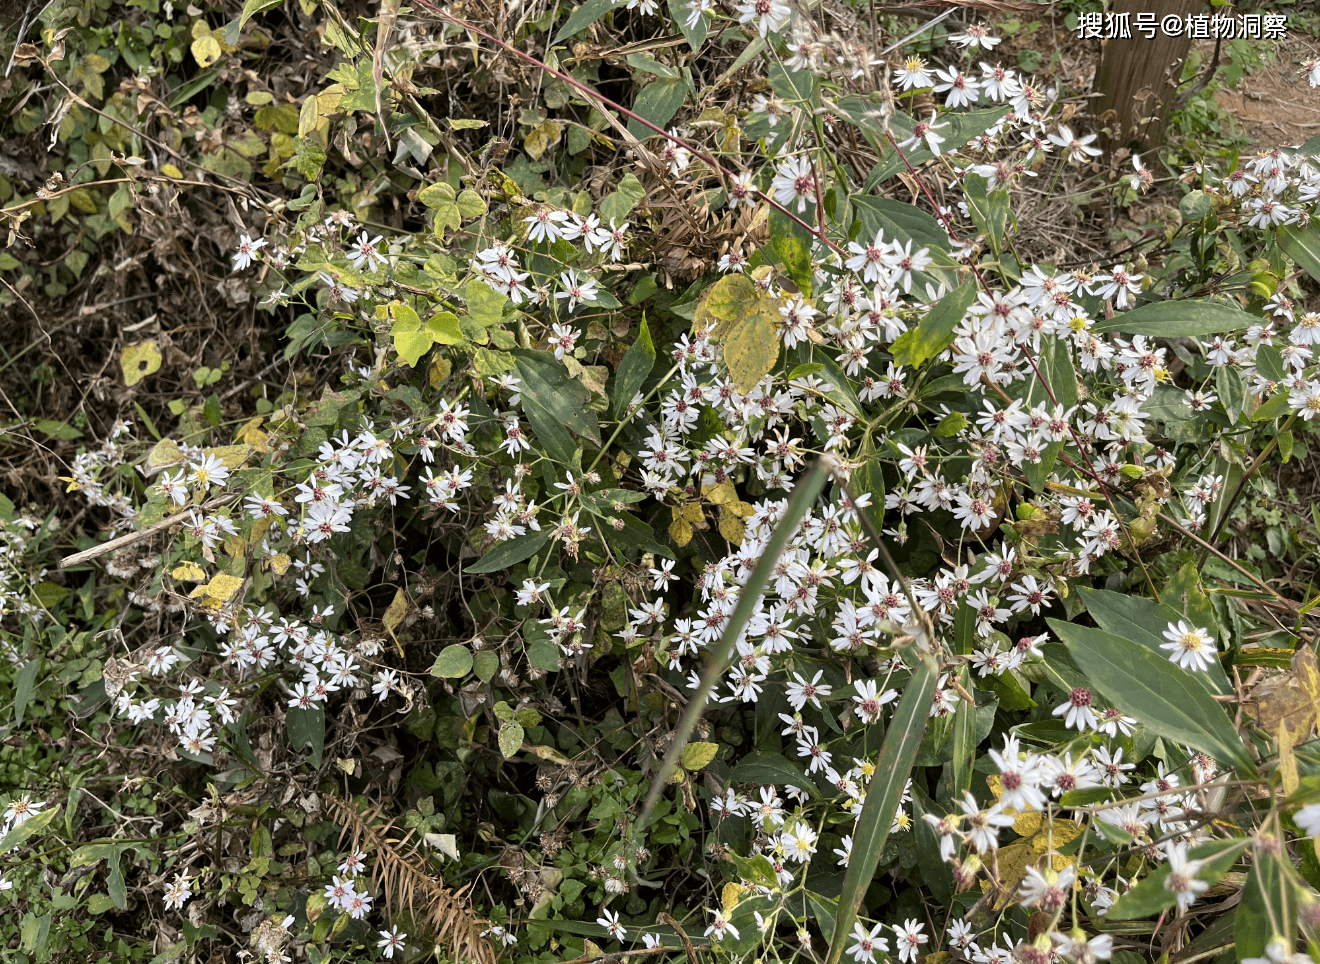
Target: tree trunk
{"x":1138,"y":75}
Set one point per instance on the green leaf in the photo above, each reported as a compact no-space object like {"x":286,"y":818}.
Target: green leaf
{"x":935,"y":331}
{"x":900,"y":221}
{"x":619,"y":204}
{"x":583,"y":17}
{"x":543,"y":655}
{"x":28,"y":829}
{"x":51,"y":428}
{"x":485,"y":665}
{"x":989,"y":209}
{"x":897,"y":754}
{"x":1151,"y":896}
{"x":792,"y":243}
{"x":1269,"y":905}
{"x":510,"y":739}
{"x":1303,"y":246}
{"x":24,"y":682}
{"x":658,"y":102}
{"x":307,"y":728}
{"x":1276,"y":406}
{"x":695,"y":36}
{"x":510,"y":553}
{"x":867,"y":114}
{"x":1143,"y":621}
{"x":1175,"y":319}
{"x":840,"y":390}
{"x":232,"y":31}
{"x":453,"y":662}
{"x":485,"y":305}
{"x":1154,"y":691}
{"x":555,"y":404}
{"x":1270,"y":363}
{"x":771,"y":769}
{"x":634,"y":368}
{"x":412,"y":345}
{"x":964,"y":741}
{"x":697,"y":755}
{"x":443,"y":328}
{"x":1055,"y":363}
{"x":794,"y":85}
{"x":1194,"y":206}
{"x":115,"y":885}
{"x":934,"y":871}
{"x":470,"y":204}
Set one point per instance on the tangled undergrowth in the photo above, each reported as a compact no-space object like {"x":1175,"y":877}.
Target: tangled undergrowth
{"x":718,"y":525}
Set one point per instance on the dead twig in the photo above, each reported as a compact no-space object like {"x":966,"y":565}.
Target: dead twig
{"x":133,"y":538}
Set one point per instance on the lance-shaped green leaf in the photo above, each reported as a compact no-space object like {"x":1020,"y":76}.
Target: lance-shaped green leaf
{"x":27,"y":829}
{"x":510,"y":553}
{"x":1143,"y":621}
{"x":554,"y":403}
{"x":804,"y":495}
{"x":934,"y":333}
{"x":1148,"y":687}
{"x":897,"y":754}
{"x":1303,"y":246}
{"x":1269,"y":904}
{"x":584,"y":16}
{"x":634,"y":368}
{"x":1175,"y":319}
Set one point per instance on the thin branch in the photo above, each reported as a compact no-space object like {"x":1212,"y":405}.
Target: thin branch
{"x":132,"y":538}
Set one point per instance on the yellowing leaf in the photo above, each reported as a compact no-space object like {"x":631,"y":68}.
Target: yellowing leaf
{"x":163,"y":453}
{"x":732,"y":527}
{"x":206,"y":50}
{"x":398,"y":608}
{"x":188,"y":572}
{"x":252,"y":435}
{"x":443,"y":328}
{"x":139,"y":361}
{"x":1287,"y":759}
{"x":721,"y":494}
{"x":1289,"y":706}
{"x":280,"y":563}
{"x":440,"y":369}
{"x":412,"y":345}
{"x":697,"y":755}
{"x":1038,"y":837}
{"x":730,"y":894}
{"x":541,"y":138}
{"x":231,"y":455}
{"x":169,"y":170}
{"x":546,"y":753}
{"x":745,"y":319}
{"x":680,"y":530}
{"x":1013,"y":863}
{"x":216,"y":592}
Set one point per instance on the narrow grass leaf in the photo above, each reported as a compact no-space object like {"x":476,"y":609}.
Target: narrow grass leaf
{"x":897,"y":754}
{"x":804,"y":496}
